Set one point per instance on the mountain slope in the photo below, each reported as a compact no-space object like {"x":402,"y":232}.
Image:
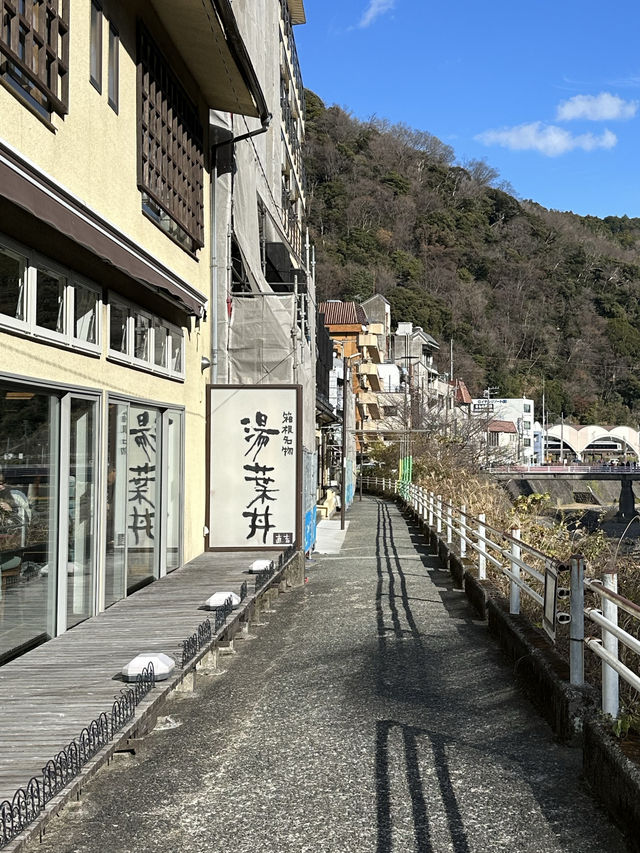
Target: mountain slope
{"x":531,"y":297}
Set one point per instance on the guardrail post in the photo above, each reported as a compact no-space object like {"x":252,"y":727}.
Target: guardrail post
{"x":463,"y":531}
{"x":438,"y":513}
{"x":449,"y":524}
{"x":431,"y":509}
{"x":610,"y":697}
{"x":576,"y":627}
{"x":482,"y":548}
{"x":514,"y":589}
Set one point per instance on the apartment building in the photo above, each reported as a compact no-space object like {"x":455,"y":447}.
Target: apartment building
{"x":509,"y":427}
{"x":107,"y":206}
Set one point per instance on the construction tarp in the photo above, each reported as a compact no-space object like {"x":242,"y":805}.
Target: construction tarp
{"x":260,"y":343}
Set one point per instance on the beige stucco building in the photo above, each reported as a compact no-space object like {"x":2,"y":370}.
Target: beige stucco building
{"x":107,"y":163}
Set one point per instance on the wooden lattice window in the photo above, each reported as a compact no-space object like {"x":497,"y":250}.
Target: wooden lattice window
{"x":34,"y":51}
{"x":170,"y":155}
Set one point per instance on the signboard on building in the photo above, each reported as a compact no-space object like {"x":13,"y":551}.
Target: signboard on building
{"x":254,"y":437}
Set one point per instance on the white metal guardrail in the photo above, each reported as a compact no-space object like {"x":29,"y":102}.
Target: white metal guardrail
{"x":618,"y":468}
{"x":538,"y":576}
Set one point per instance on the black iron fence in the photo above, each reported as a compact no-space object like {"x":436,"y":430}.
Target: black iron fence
{"x":28,"y":802}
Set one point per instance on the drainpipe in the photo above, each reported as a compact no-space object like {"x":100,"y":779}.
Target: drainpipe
{"x":264,"y":127}
{"x":213,"y":272}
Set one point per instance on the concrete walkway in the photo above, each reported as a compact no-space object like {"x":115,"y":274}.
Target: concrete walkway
{"x":371,"y":713}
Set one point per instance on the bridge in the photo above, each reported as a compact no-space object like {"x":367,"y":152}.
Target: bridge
{"x":625,"y":474}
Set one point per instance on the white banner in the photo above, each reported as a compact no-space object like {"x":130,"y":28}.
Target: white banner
{"x":254,"y":489}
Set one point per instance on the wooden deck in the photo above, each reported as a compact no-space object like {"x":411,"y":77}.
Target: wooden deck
{"x":51,"y":693}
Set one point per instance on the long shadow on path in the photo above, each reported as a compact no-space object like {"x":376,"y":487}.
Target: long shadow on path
{"x":452,"y":698}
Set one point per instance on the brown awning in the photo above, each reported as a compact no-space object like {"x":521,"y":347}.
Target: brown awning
{"x":23,"y":185}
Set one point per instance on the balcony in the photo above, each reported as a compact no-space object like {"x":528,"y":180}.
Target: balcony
{"x":291,"y":223}
{"x":369,"y":405}
{"x":370,"y":370}
{"x":369,"y":346}
{"x":292,"y":54}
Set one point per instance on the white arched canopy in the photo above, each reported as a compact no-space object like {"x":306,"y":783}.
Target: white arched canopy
{"x":580,"y":438}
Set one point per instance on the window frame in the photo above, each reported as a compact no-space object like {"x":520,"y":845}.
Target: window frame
{"x":113,"y":69}
{"x":129,"y":358}
{"x":95,"y":48}
{"x":34,"y":261}
{"x":46,"y":37}
{"x":6,"y":320}
{"x":41,"y":265}
{"x":179,"y":171}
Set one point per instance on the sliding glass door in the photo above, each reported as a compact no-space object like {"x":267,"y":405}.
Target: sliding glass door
{"x":48,"y":512}
{"x":81,"y":546}
{"x":144,"y":496}
{"x":29,"y":511}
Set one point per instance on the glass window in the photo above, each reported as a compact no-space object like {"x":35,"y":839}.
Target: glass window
{"x":34,"y":46}
{"x":81,"y":547}
{"x":142,"y":327}
{"x":95,"y":46}
{"x":527,"y":424}
{"x":50,"y":301}
{"x":116,"y":549}
{"x":527,"y":442}
{"x":527,"y":407}
{"x":12,"y":279}
{"x":28,"y":518}
{"x":170,"y":148}
{"x":161,"y":339}
{"x":118,"y":327}
{"x":177,"y":342}
{"x":173,"y":469}
{"x":114,"y":69}
{"x":85,"y":314}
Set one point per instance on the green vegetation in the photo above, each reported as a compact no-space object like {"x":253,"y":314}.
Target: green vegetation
{"x":529,"y":296}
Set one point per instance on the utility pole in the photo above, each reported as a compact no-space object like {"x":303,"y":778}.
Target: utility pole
{"x":544,"y":428}
{"x":343,"y":484}
{"x":346,"y":373}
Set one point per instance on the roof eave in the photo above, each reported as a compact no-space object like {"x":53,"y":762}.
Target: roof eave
{"x":207,"y":36}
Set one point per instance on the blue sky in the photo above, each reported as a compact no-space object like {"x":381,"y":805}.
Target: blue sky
{"x":546,"y":91}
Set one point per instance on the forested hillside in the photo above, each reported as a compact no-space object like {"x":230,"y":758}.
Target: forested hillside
{"x":527,"y":295}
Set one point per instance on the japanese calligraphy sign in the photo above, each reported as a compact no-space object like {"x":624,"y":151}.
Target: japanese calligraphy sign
{"x":141,"y":477}
{"x":255,"y":493}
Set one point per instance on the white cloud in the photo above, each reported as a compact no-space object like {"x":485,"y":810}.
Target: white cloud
{"x":602,"y":107}
{"x":374,"y":10}
{"x":547,"y":139}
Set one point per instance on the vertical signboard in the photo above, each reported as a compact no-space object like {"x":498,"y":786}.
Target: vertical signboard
{"x":254,"y":470}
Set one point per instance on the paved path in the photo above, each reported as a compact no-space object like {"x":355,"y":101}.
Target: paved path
{"x":371,"y":713}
